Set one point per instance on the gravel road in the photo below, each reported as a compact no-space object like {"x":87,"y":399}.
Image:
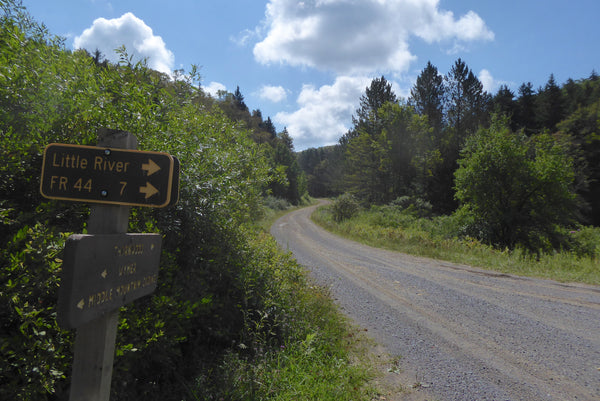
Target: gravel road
{"x":464,"y":333}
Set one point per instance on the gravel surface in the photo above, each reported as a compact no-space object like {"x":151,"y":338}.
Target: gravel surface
{"x":464,"y":333}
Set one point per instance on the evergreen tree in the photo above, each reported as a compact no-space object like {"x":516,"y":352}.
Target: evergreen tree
{"x":238,"y":99}
{"x":257,"y":115}
{"x":456,"y":85}
{"x":360,"y":145}
{"x":234,"y":106}
{"x":323,"y":170}
{"x":427,"y":97}
{"x":504,"y":102}
{"x":376,"y":95}
{"x":410,"y":153}
{"x":99,"y":58}
{"x":362,"y":169}
{"x":256,"y":124}
{"x":550,"y":105}
{"x":525,"y":116}
{"x":591,"y":89}
{"x":268,"y":126}
{"x":467,"y":102}
{"x":574,"y":95}
{"x":467,"y":109}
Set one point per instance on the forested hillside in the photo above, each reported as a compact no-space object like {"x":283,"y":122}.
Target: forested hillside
{"x":516,"y":166}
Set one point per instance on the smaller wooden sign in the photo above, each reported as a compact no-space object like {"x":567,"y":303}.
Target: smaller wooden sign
{"x":104,"y":272}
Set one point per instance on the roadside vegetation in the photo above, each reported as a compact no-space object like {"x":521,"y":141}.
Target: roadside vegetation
{"x":297,"y":346}
{"x":408,"y":227}
{"x":233,"y":317}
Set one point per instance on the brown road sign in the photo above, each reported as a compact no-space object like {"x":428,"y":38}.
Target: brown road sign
{"x":111,"y":176}
{"x":104,"y":272}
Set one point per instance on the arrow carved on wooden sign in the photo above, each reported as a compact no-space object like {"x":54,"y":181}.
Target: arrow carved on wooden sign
{"x":150,"y":167}
{"x":149,"y":190}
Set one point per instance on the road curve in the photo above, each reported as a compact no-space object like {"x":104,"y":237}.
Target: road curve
{"x":467,"y":333}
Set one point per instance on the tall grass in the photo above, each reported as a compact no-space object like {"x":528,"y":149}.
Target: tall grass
{"x":437,"y":237}
{"x":315,"y":363}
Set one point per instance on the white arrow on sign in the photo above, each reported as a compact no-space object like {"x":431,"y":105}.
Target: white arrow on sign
{"x":104,"y":273}
{"x":149,"y":190}
{"x":81,"y":304}
{"x":150,"y":167}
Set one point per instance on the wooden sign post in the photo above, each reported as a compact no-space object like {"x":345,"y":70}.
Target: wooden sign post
{"x":107,"y":267}
{"x":95,"y":341}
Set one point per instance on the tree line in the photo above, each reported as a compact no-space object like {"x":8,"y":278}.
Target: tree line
{"x":289,"y":183}
{"x":421,"y":147}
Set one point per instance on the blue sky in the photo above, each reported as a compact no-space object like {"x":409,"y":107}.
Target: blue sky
{"x":306,"y":63}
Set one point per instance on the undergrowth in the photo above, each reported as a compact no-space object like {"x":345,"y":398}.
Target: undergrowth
{"x":439,"y":238}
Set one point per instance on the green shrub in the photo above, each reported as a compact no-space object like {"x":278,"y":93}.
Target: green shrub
{"x":35,"y":352}
{"x":344,"y":207}
{"x":387,"y":216}
{"x":414,"y":205}
{"x":274,"y":203}
{"x":585,"y":241}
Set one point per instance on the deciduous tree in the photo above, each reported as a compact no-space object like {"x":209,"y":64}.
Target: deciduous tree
{"x":515,"y":189}
{"x":583,"y":128}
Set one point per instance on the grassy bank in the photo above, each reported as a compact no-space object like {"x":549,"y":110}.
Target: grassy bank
{"x":300,"y":347}
{"x":435,"y":238}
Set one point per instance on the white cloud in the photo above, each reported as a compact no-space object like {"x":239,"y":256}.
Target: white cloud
{"x":359,"y":37}
{"x":491,"y":84}
{"x":244,"y":37}
{"x":443,"y":26}
{"x":324,"y":114}
{"x":274,"y":94}
{"x":213,"y":88}
{"x":138,"y":38}
{"x":487,"y":80}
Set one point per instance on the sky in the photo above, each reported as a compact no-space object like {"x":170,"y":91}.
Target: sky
{"x":305,"y":64}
